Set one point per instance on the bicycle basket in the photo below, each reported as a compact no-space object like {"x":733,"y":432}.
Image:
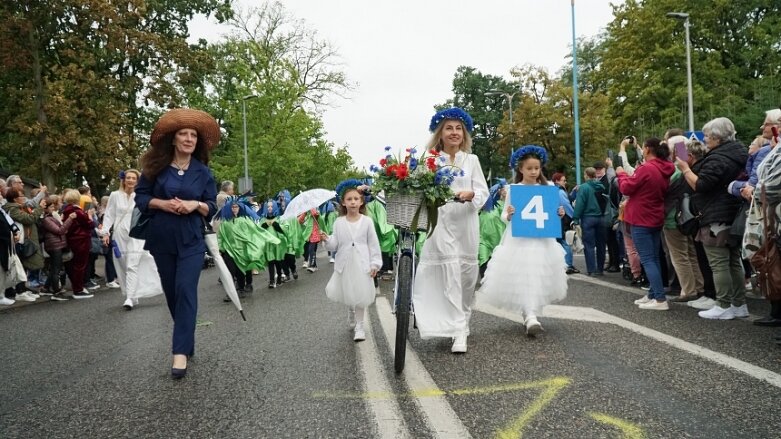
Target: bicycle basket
{"x":401,"y":209}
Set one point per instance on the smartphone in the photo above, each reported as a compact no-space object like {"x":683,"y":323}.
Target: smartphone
{"x":610,"y":154}
{"x":618,"y":161}
{"x":681,"y":152}
{"x":630,"y":139}
{"x":774,"y":129}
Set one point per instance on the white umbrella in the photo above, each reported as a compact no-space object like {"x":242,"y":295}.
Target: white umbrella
{"x":305,"y":201}
{"x":227,"y":278}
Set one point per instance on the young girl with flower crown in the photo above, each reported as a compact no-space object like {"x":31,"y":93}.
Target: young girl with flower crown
{"x":525,"y":274}
{"x":358,"y":256}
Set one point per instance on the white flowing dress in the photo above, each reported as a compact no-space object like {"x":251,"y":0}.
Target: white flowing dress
{"x":136,"y":269}
{"x":524,"y":274}
{"x":447,"y":271}
{"x":357,"y":253}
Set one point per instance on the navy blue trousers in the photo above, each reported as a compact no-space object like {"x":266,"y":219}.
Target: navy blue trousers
{"x":179,"y":277}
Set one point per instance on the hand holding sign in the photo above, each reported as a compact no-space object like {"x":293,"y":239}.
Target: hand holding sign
{"x":534,"y":211}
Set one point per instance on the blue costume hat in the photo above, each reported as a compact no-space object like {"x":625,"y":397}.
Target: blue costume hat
{"x":528,"y":150}
{"x":245,"y":209}
{"x":350,"y":183}
{"x":452,"y":113}
{"x":493,"y":194}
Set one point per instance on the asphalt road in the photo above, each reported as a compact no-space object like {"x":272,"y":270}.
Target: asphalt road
{"x":602,"y":368}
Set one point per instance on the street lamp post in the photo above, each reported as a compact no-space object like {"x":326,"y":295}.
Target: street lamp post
{"x":686,"y":25}
{"x":575,"y":109}
{"x":245,"y":184}
{"x":508,"y":96}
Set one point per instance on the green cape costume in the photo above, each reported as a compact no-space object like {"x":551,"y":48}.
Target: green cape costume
{"x":275,"y":251}
{"x":386,"y":233}
{"x":491,"y":230}
{"x":245,"y":242}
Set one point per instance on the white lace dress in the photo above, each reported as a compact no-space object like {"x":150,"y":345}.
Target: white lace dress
{"x":447,"y":271}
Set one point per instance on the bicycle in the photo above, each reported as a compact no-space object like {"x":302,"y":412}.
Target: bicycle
{"x":400,"y":212}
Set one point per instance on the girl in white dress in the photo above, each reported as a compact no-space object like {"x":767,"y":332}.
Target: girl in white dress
{"x":136,"y":269}
{"x":525,"y":274}
{"x":358,"y":255}
{"x":447,"y":271}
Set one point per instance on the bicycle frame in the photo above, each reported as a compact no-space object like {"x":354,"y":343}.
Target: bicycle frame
{"x":405,"y":246}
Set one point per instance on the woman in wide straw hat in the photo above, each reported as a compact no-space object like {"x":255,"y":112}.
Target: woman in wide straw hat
{"x":178,"y":190}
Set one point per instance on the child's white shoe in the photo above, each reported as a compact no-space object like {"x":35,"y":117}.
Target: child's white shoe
{"x":533,"y":327}
{"x":459,"y":345}
{"x":360,"y":335}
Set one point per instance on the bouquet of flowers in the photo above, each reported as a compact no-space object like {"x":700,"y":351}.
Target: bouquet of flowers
{"x":425,"y":175}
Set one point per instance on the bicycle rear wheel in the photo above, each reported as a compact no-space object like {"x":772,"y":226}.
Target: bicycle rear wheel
{"x":403,"y":299}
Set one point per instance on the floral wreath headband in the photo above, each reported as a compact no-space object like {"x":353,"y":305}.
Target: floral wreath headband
{"x":342,"y":187}
{"x":529,"y":150}
{"x":452,"y":113}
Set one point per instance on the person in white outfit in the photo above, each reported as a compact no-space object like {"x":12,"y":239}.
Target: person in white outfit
{"x":136,"y":269}
{"x":358,"y":256}
{"x":525,"y":274}
{"x":447,"y":271}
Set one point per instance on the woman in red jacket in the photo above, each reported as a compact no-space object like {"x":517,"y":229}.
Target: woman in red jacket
{"x":79,"y":240}
{"x":644,"y":213}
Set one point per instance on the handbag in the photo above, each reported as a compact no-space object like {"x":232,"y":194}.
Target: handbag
{"x":139,"y":222}
{"x":67,"y":255}
{"x":688,"y":223}
{"x":25,"y":250}
{"x":767,"y":260}
{"x":752,"y":237}
{"x":16,"y":272}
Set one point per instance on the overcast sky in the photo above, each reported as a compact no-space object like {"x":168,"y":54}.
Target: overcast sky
{"x":402,"y":55}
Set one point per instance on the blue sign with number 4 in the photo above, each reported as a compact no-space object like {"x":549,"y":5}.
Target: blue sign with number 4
{"x":536,"y":211}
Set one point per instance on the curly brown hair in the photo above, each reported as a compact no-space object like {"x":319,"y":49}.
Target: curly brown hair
{"x":161,"y":155}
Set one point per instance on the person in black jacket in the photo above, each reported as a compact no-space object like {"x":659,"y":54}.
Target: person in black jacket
{"x":709,"y":178}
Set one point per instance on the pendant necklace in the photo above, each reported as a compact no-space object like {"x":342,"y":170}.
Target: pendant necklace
{"x":180,"y":168}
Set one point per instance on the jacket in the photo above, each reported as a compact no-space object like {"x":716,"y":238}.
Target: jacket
{"x":646,"y":189}
{"x":586,"y":203}
{"x":30,"y":222}
{"x":82,"y":226}
{"x":55,"y":232}
{"x":169,"y":233}
{"x":720,"y":166}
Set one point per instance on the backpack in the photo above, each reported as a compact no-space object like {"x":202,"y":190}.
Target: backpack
{"x":609,"y":211}
{"x":767,"y":260}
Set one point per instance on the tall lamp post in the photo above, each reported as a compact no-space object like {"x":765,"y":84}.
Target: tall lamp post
{"x":686,"y":25}
{"x":245,"y":184}
{"x":508,"y":96}
{"x":575,"y":110}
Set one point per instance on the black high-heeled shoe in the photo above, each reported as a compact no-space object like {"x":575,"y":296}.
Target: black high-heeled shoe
{"x":178,"y":374}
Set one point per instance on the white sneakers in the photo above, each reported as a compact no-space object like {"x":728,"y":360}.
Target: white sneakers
{"x":704,"y":303}
{"x":332,"y":260}
{"x":718,"y":313}
{"x":360,"y":334}
{"x":642,"y":300}
{"x":112,"y":284}
{"x":6,"y":301}
{"x":741,"y":312}
{"x":27,"y":296}
{"x":129,"y":303}
{"x":533,"y":327}
{"x":459,"y":345}
{"x":655,"y":305}
{"x":305,"y":264}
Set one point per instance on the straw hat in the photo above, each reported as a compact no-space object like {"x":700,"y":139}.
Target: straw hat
{"x":178,"y":118}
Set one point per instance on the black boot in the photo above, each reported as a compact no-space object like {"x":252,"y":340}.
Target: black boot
{"x":774,"y":319}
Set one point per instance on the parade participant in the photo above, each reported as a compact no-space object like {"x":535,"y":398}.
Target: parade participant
{"x":242,"y":242}
{"x":525,"y":274}
{"x":292,"y":229}
{"x":178,"y":190}
{"x":275,"y":252}
{"x":447,"y":272}
{"x":358,"y":256}
{"x":644,"y":213}
{"x":491,"y":224}
{"x":311,"y":223}
{"x":135,"y":267}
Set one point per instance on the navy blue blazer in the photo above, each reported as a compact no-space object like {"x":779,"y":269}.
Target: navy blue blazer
{"x":168,"y":233}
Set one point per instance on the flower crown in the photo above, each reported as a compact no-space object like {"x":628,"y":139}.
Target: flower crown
{"x":122,"y":175}
{"x":342,"y":187}
{"x":452,"y":113}
{"x":529,"y":150}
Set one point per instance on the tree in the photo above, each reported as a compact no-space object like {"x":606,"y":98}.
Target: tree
{"x":469,"y":88}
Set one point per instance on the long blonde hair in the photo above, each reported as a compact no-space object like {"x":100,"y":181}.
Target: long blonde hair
{"x":435,"y":142}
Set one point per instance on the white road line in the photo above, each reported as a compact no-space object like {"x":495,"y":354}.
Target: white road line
{"x":440,"y":417}
{"x":386,"y":411}
{"x":592,"y":315}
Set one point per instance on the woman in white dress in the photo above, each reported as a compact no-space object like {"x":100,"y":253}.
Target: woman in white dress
{"x":447,"y":271}
{"x":136,"y":269}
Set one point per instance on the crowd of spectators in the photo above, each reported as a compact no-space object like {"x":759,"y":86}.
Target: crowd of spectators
{"x":56,"y":238}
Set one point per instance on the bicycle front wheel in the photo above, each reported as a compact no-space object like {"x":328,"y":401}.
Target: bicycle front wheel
{"x":403,"y":299}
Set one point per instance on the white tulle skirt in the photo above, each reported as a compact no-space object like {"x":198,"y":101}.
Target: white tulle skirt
{"x":353,"y":286}
{"x":524,"y":274}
